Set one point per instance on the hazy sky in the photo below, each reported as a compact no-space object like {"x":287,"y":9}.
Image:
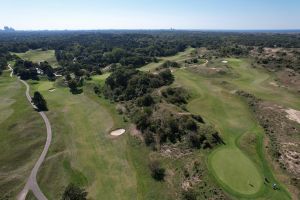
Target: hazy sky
{"x":150,"y":14}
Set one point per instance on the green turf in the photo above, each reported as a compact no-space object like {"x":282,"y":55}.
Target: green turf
{"x":257,"y":81}
{"x":180,"y":57}
{"x":83,"y":152}
{"x":232,"y":118}
{"x":40,"y":56}
{"x":241,"y":175}
{"x":22,"y":136}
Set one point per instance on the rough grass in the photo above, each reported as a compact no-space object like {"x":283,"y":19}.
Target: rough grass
{"x":22,"y":137}
{"x":40,"y":56}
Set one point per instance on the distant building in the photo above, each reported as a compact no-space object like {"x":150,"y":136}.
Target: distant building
{"x":6,"y":28}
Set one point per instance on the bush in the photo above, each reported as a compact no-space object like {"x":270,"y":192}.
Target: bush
{"x":189,"y":195}
{"x":73,"y":192}
{"x":130,"y":83}
{"x":146,"y":100}
{"x":157,"y":172}
{"x":177,"y":96}
{"x":169,"y":63}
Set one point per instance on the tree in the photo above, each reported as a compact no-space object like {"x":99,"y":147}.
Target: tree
{"x":157,"y":172}
{"x":72,"y":85}
{"x":146,"y":100}
{"x":167,"y":76}
{"x":39,"y":101}
{"x":73,"y":192}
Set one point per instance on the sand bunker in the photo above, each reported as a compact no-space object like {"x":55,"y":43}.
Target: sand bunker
{"x":117,"y":132}
{"x":225,"y":61}
{"x":293,"y":115}
{"x":52,"y":90}
{"x":274,"y":84}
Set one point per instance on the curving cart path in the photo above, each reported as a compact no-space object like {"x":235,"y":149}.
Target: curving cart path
{"x":31,"y":183}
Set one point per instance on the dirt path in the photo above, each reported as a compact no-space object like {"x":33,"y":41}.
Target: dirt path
{"x":31,"y":183}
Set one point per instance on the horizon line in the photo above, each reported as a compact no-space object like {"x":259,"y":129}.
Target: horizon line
{"x":160,"y":29}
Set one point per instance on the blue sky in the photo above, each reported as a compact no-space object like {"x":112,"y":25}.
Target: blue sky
{"x":150,"y":14}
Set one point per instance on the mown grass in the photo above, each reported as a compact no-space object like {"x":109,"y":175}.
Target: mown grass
{"x":179,"y":57}
{"x":22,"y":137}
{"x":237,"y":173}
{"x":39,"y":55}
{"x":257,"y":81}
{"x":84,"y":153}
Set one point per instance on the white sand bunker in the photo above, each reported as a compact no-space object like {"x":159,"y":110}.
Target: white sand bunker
{"x":52,"y":90}
{"x":274,"y":84}
{"x":293,"y":115}
{"x":117,"y":132}
{"x":225,"y":61}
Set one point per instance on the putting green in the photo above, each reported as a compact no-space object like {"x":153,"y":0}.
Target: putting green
{"x":236,"y":171}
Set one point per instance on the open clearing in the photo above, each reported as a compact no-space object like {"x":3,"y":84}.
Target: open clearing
{"x":39,"y":56}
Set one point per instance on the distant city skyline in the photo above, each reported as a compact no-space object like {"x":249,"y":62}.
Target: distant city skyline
{"x":150,"y":14}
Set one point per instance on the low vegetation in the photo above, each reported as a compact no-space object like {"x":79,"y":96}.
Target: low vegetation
{"x":157,"y":172}
{"x":73,"y":192}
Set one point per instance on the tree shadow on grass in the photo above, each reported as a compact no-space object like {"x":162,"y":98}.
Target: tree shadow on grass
{"x":76,"y":91}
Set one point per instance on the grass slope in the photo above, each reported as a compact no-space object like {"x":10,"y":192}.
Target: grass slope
{"x":22,"y":137}
{"x":257,"y":81}
{"x":39,"y":56}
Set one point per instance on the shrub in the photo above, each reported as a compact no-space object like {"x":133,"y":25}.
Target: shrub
{"x":157,"y":172}
{"x":169,"y":63}
{"x":146,"y":100}
{"x":176,"y":95}
{"x":189,"y":194}
{"x":73,"y":192}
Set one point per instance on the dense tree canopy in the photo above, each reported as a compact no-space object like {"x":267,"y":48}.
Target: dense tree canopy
{"x":95,"y":50}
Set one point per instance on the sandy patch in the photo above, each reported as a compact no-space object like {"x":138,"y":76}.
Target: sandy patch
{"x":117,"y":132}
{"x":274,"y":84}
{"x":293,"y":115}
{"x":225,"y":61}
{"x":52,"y":90}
